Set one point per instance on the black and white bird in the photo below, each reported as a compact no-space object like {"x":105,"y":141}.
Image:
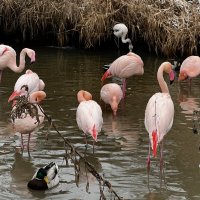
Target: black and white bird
{"x":45,"y":177}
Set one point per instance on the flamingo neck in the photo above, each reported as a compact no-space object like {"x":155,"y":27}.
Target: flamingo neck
{"x":114,"y":105}
{"x":18,"y":69}
{"x":161,"y":81}
{"x":37,"y":97}
{"x":127,"y":40}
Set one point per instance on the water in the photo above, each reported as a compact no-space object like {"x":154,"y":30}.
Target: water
{"x":122,"y":147}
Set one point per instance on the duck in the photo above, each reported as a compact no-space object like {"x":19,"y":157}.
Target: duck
{"x":45,"y":178}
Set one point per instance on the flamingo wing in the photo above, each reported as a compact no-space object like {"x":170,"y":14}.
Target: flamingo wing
{"x":88,"y":114}
{"x":159,"y":114}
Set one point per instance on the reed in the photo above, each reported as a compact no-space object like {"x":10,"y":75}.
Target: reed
{"x":168,"y":27}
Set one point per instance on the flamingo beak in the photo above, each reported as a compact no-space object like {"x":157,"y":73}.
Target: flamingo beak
{"x":32,"y":58}
{"x":13,"y":96}
{"x":171,"y":76}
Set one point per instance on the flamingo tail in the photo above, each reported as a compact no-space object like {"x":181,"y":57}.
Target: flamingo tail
{"x":94,"y":133}
{"x":155,"y":142}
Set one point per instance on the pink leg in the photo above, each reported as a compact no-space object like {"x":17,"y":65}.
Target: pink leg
{"x":29,"y":136}
{"x":148,"y":163}
{"x":124,"y":87}
{"x":22,"y":142}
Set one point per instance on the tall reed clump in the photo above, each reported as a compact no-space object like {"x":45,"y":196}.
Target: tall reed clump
{"x":169,"y":27}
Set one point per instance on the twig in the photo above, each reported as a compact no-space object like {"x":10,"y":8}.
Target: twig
{"x":91,"y":169}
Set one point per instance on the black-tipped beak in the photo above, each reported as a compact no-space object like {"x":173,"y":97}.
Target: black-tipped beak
{"x":32,"y":62}
{"x":171,"y":81}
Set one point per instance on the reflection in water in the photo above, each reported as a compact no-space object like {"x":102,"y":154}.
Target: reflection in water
{"x":21,"y":173}
{"x":187,"y":103}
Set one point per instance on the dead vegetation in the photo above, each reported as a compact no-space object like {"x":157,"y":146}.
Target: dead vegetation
{"x":168,"y":27}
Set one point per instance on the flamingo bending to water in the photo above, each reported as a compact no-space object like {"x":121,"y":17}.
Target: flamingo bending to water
{"x":190,"y":68}
{"x":32,"y":82}
{"x":89,"y":114}
{"x":159,"y":113}
{"x":124,"y":67}
{"x":112,"y":94}
{"x":8,"y":58}
{"x":121,"y":31}
{"x":27,"y":124}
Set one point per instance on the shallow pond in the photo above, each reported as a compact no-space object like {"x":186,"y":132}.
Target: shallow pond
{"x":121,"y":151}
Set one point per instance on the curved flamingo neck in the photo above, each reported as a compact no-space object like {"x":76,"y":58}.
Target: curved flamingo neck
{"x":20,"y":68}
{"x":163,"y":85}
{"x":127,"y":40}
{"x":83,"y":96}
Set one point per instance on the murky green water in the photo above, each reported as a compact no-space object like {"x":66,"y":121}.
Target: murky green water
{"x":122,"y":148}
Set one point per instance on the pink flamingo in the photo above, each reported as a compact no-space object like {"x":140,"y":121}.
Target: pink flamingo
{"x":32,"y":82}
{"x":159,"y":113}
{"x":8,"y":58}
{"x":125,"y":66}
{"x":28,"y":124}
{"x":112,"y":94}
{"x":88,"y":115}
{"x":190,"y":68}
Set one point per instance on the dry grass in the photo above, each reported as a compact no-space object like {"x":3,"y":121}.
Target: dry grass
{"x":169,"y":27}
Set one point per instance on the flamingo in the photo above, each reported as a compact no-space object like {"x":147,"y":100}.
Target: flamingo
{"x":112,"y":94}
{"x":120,"y":31}
{"x":125,"y":66}
{"x":190,"y":68}
{"x":29,"y":79}
{"x":88,"y":115}
{"x":8,"y":58}
{"x":159,"y":113}
{"x":27,"y":124}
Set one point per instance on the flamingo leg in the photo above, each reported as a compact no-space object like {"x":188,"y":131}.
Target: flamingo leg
{"x":148,"y":163}
{"x":0,"y":74}
{"x":93,"y":147}
{"x":22,"y":143}
{"x":86,"y":143}
{"x":29,"y":136}
{"x":161,"y":163}
{"x":124,"y":87}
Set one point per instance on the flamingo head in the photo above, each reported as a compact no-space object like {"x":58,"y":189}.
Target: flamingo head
{"x":120,"y":30}
{"x":83,"y":95}
{"x":182,"y":76}
{"x":37,"y":97}
{"x":31,"y":54}
{"x":154,"y":142}
{"x":21,"y":92}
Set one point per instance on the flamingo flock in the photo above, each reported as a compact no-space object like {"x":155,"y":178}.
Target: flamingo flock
{"x":159,"y":112}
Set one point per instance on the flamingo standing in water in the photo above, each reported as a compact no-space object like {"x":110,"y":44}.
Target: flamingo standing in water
{"x":32,"y":82}
{"x":112,"y":94}
{"x":159,"y":113}
{"x":88,"y":115}
{"x":125,"y":66}
{"x":27,"y":124}
{"x":8,"y":58}
{"x":190,"y":68}
{"x":121,"y":31}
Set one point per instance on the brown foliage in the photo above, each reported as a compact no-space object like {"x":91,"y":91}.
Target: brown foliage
{"x":167,"y":26}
